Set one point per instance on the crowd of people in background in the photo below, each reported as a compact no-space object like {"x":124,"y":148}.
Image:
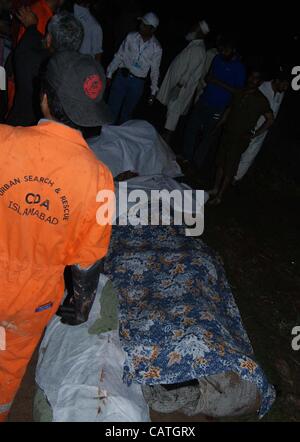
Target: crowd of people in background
{"x":227,"y":105}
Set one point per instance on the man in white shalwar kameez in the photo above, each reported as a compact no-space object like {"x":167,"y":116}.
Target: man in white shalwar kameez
{"x":274,"y":91}
{"x":182,"y":79}
{"x":210,"y":55}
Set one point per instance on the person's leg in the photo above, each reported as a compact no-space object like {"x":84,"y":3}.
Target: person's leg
{"x":117,"y":95}
{"x":222,"y":183}
{"x":21,"y":324}
{"x":221,"y":163}
{"x":224,"y":186}
{"x":218,"y":181}
{"x":210,"y":122}
{"x":134,"y":93}
{"x":172,"y":120}
{"x":232,"y":159}
{"x":13,"y":364}
{"x":192,"y":130}
{"x":170,"y":125}
{"x":167,"y":135}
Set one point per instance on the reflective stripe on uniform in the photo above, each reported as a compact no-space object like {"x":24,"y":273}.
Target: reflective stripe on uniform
{"x":4,"y":408}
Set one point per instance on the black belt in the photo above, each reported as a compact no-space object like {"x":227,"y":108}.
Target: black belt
{"x":126,"y":73}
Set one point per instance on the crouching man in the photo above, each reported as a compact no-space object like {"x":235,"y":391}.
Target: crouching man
{"x":49,"y":183}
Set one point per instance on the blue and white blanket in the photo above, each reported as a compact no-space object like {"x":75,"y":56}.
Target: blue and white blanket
{"x":178,"y":318}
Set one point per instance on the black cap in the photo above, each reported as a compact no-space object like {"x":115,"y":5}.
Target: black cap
{"x":79,"y":82}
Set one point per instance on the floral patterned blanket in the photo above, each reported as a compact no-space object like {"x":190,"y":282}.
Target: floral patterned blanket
{"x":178,"y":318}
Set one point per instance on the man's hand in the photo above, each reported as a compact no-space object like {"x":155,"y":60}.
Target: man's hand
{"x":27,"y":17}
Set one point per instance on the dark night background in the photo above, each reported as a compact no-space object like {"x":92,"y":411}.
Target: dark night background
{"x":262,"y":28}
{"x":266,"y":32}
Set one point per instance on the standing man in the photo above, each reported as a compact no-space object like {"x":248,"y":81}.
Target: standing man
{"x":65,"y":32}
{"x":139,"y":53}
{"x":226,"y":76}
{"x":93,"y":35}
{"x":274,"y":91}
{"x":50,"y":181}
{"x":43,"y":10}
{"x":5,"y":30}
{"x":181,"y":80}
{"x":239,"y":122}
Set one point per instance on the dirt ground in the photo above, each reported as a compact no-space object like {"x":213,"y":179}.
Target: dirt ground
{"x":256,"y":231}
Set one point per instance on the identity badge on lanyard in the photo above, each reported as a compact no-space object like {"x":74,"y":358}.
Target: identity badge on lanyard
{"x":137,"y":63}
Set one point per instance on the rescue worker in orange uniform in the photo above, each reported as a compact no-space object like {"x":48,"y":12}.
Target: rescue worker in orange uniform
{"x":48,"y":187}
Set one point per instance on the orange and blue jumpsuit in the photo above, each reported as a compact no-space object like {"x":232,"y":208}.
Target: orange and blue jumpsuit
{"x":49,"y":182}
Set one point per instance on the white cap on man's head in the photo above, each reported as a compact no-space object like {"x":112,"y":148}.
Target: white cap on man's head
{"x":150,"y":19}
{"x":204,"y":27}
{"x":201,"y":26}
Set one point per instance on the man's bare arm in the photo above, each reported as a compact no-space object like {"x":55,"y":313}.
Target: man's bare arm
{"x":266,"y":125}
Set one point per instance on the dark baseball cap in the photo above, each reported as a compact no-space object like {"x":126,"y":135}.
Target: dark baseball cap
{"x":79,"y":82}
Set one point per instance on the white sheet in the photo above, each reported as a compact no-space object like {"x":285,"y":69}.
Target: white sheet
{"x":155,"y":182}
{"x":71,"y":362}
{"x":135,"y":146}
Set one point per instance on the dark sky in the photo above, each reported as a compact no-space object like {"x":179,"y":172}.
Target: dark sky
{"x":262,"y":28}
{"x":263,"y":25}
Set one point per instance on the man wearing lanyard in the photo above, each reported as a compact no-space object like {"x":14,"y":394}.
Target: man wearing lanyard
{"x":139,"y":53}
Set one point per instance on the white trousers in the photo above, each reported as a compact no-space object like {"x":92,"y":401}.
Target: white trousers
{"x":249,"y":156}
{"x":172,"y":120}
